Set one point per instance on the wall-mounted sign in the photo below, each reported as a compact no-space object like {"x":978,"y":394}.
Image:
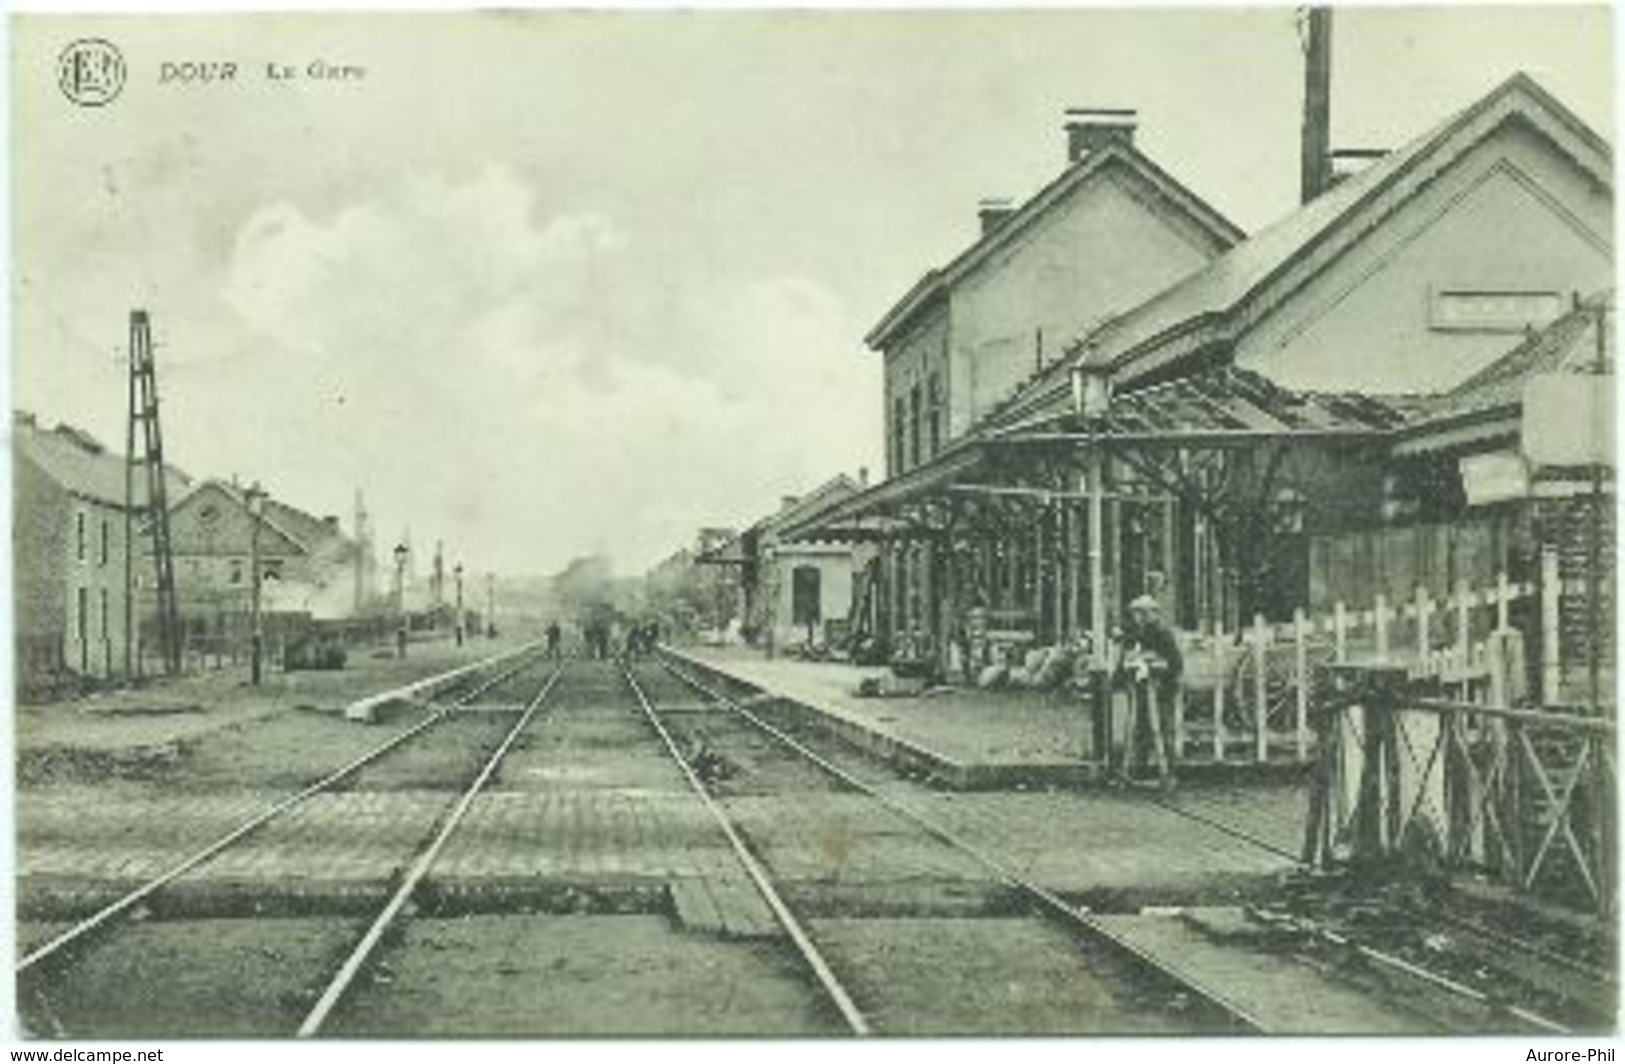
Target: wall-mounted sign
{"x":1488,"y":310}
{"x":1500,"y":476}
{"x":1568,"y":419}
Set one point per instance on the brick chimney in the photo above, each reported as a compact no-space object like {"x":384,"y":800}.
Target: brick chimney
{"x":994,"y":213}
{"x":787,"y":501}
{"x":863,"y":476}
{"x":1088,"y":129}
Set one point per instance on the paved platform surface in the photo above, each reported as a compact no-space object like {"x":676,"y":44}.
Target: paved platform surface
{"x":164,"y":713}
{"x":990,"y":729}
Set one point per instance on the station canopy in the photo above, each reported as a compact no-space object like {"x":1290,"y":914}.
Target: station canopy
{"x":1224,"y":408}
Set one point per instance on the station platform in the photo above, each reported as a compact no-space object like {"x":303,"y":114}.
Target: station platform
{"x":965,"y":739}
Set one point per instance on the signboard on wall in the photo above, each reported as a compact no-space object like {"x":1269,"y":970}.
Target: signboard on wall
{"x":1491,"y":310}
{"x":1568,"y":419}
{"x":1500,"y":476}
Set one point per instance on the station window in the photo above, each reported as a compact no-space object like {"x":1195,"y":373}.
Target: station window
{"x":79,"y":535}
{"x":82,"y":618}
{"x":105,"y":537}
{"x":898,"y":421}
{"x":914,"y":424}
{"x":935,"y":416}
{"x":103,"y":594}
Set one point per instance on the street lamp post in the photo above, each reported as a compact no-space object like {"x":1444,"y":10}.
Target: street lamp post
{"x":457,"y":574}
{"x":255,"y":497}
{"x":401,"y":552}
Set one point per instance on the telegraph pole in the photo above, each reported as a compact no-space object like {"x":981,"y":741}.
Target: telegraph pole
{"x":1317,"y":102}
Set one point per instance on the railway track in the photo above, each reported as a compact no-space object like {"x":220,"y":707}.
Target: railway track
{"x":771,"y":856}
{"x":1440,"y":1000}
{"x":44,"y":968}
{"x":658,"y":859}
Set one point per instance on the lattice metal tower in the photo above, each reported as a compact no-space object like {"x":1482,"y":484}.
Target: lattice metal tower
{"x":153,"y":507}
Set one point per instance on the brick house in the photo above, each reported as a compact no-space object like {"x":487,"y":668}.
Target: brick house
{"x":307,"y":565}
{"x":68,"y":552}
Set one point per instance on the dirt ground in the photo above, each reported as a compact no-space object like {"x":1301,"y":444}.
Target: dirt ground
{"x":193,"y":979}
{"x":581,"y":976}
{"x":996,"y":977}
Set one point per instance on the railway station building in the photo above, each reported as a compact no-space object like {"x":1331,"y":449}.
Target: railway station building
{"x":1327,"y":410}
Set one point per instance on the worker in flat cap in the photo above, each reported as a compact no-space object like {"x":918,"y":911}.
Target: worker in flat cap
{"x":1150,"y":669}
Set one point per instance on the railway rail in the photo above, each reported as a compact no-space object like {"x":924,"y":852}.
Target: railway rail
{"x":1405,"y":974}
{"x":670,"y":734}
{"x":1054,"y":908}
{"x":64,"y":948}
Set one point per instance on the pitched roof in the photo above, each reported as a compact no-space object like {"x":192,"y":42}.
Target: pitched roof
{"x":733,"y":550}
{"x":81,"y":464}
{"x":938,"y":281}
{"x":1566,"y":345}
{"x":1227,"y":403}
{"x":305,"y":531}
{"x":1223,"y":296}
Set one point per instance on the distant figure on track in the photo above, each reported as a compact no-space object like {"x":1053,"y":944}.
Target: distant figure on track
{"x":553,"y":636}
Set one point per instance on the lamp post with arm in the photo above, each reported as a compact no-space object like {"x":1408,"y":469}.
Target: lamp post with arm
{"x":255,"y":497}
{"x":401,"y":553}
{"x":457,"y":574}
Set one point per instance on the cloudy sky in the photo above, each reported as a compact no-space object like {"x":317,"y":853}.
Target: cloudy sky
{"x":547,"y":283}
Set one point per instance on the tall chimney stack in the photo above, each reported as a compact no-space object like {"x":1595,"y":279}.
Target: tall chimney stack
{"x":1089,"y":129}
{"x":1317,"y":102}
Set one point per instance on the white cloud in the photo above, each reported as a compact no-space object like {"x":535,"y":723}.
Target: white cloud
{"x":528,"y":387}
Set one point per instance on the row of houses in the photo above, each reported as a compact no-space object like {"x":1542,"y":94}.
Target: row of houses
{"x":78,"y":553}
{"x":1114,"y":391}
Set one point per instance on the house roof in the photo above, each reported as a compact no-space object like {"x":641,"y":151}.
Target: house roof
{"x":1225,"y":404}
{"x":1566,"y":345}
{"x":81,"y":464}
{"x":734,"y":550}
{"x":936,"y":282}
{"x":1229,"y":293}
{"x":305,"y":531}
{"x":1490,"y":402}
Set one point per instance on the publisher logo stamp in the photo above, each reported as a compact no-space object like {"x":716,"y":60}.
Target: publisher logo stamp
{"x":90,"y":72}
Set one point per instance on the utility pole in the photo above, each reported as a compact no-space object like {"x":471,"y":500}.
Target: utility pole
{"x":491,"y":605}
{"x":1316,"y":160}
{"x":143,"y":411}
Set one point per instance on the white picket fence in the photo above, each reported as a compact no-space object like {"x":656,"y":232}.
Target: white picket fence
{"x":1246,"y":695}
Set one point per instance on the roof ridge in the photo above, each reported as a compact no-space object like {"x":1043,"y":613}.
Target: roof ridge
{"x":1164,"y":184}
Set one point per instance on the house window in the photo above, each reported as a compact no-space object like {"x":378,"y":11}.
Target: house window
{"x":914,"y":424}
{"x":82,"y":618}
{"x":273,"y":569}
{"x":79,"y":535}
{"x":236,"y":570}
{"x":935,"y":416}
{"x":898,"y":421}
{"x":105,"y":537}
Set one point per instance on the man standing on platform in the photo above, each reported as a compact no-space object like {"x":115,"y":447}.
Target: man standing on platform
{"x":1151,"y":668}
